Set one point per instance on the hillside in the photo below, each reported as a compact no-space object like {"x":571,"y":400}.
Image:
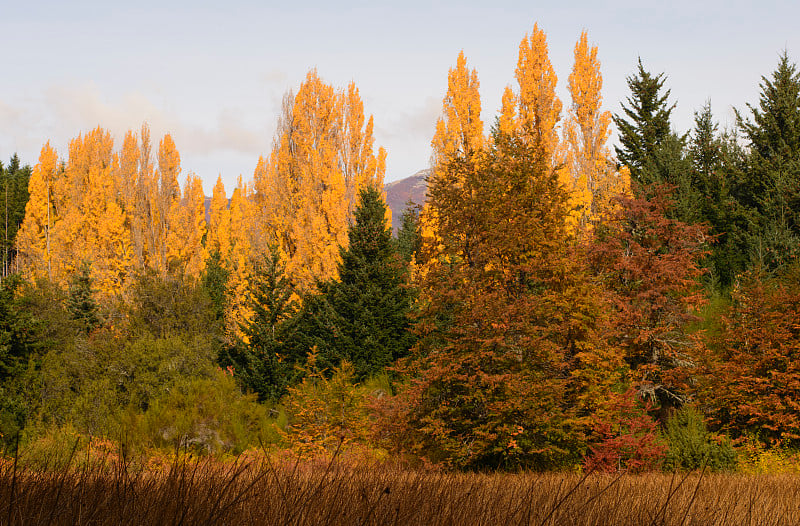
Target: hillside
{"x":399,"y":193}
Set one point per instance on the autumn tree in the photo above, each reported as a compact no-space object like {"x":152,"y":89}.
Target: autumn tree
{"x":33,"y":243}
{"x":650,"y":265}
{"x":458,"y":137}
{"x":751,"y":372}
{"x":509,"y":347}
{"x":593,"y":179}
{"x":305,"y":192}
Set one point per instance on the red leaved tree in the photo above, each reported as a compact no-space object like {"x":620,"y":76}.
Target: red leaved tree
{"x":650,"y":265}
{"x":752,"y":371}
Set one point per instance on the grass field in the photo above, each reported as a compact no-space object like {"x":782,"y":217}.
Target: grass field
{"x":258,"y":491}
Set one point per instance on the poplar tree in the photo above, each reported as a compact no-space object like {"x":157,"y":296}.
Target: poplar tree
{"x":593,"y":179}
{"x":322,"y":155}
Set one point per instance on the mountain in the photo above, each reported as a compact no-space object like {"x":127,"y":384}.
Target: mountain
{"x":399,"y":193}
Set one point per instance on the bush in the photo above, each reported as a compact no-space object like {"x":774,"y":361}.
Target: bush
{"x":691,"y":446}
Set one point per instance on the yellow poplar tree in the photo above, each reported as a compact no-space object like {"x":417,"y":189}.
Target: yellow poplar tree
{"x":33,"y":238}
{"x":238,"y":258}
{"x":164,"y":191}
{"x":218,"y":238}
{"x":593,"y":179}
{"x":186,"y":254}
{"x":94,"y":227}
{"x":322,"y":155}
{"x":538,"y":109}
{"x":458,"y":139}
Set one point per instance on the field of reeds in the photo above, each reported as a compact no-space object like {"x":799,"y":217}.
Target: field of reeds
{"x":262,"y":490}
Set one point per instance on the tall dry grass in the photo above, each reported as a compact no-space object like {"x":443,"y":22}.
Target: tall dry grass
{"x":260,"y":491}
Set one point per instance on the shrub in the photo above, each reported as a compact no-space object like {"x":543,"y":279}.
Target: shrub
{"x":691,"y":446}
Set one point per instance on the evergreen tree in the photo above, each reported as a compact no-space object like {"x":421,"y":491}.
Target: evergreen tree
{"x":262,"y":361}
{"x":14,"y":179}
{"x":770,"y":184}
{"x":647,"y":126}
{"x":363,"y":317}
{"x":409,"y":235}
{"x":81,"y":303}
{"x":214,"y":280}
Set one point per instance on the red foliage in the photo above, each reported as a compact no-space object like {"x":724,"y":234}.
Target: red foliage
{"x":650,"y":265}
{"x":752,"y":373}
{"x":626,"y":438}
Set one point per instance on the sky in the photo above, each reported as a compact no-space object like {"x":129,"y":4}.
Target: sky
{"x":212,"y":74}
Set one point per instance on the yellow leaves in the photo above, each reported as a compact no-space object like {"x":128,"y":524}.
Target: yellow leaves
{"x":40,"y":216}
{"x":322,"y":155}
{"x":459,"y":131}
{"x":112,"y":210}
{"x":592,"y":177}
{"x":538,"y":107}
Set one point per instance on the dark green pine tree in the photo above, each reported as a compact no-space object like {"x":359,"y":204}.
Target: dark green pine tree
{"x":645,"y":125}
{"x":13,"y":198}
{"x":263,"y":362}
{"x":362,"y":317}
{"x":409,"y":235}
{"x":81,"y":303}
{"x":716,"y":162}
{"x":214,"y":281}
{"x":770,"y":184}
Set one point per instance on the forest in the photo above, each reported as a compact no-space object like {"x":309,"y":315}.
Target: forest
{"x":557,"y":303}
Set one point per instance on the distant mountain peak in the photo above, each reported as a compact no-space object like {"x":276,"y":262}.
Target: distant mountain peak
{"x":399,"y":193}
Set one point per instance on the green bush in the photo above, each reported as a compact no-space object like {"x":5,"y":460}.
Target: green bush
{"x":691,"y":446}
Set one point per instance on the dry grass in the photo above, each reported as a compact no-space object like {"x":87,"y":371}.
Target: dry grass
{"x":256,"y":491}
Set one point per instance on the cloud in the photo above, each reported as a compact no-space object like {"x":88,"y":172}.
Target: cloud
{"x":76,"y":108}
{"x":419,"y":122}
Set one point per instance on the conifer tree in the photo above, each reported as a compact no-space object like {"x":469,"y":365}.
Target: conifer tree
{"x":770,"y":184}
{"x":81,"y":303}
{"x":362,"y":318}
{"x":264,"y":363}
{"x":15,"y":178}
{"x":644,"y":125}
{"x":409,"y":235}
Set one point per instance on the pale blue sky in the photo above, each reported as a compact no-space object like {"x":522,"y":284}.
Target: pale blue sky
{"x":213,"y":73}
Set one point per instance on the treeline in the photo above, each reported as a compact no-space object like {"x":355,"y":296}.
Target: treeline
{"x":552,"y":304}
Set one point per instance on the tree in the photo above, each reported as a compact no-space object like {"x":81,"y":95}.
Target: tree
{"x":592,"y":181}
{"x":81,"y":303}
{"x":713,"y":181}
{"x":538,"y":108}
{"x":648,"y":124}
{"x":41,"y":215}
{"x":15,"y":179}
{"x":409,"y":235}
{"x":510,"y":329}
{"x":458,"y":136}
{"x":305,"y":192}
{"x":770,"y":186}
{"x":751,"y":372}
{"x":263,"y":362}
{"x":650,"y":265}
{"x":363,"y":317}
